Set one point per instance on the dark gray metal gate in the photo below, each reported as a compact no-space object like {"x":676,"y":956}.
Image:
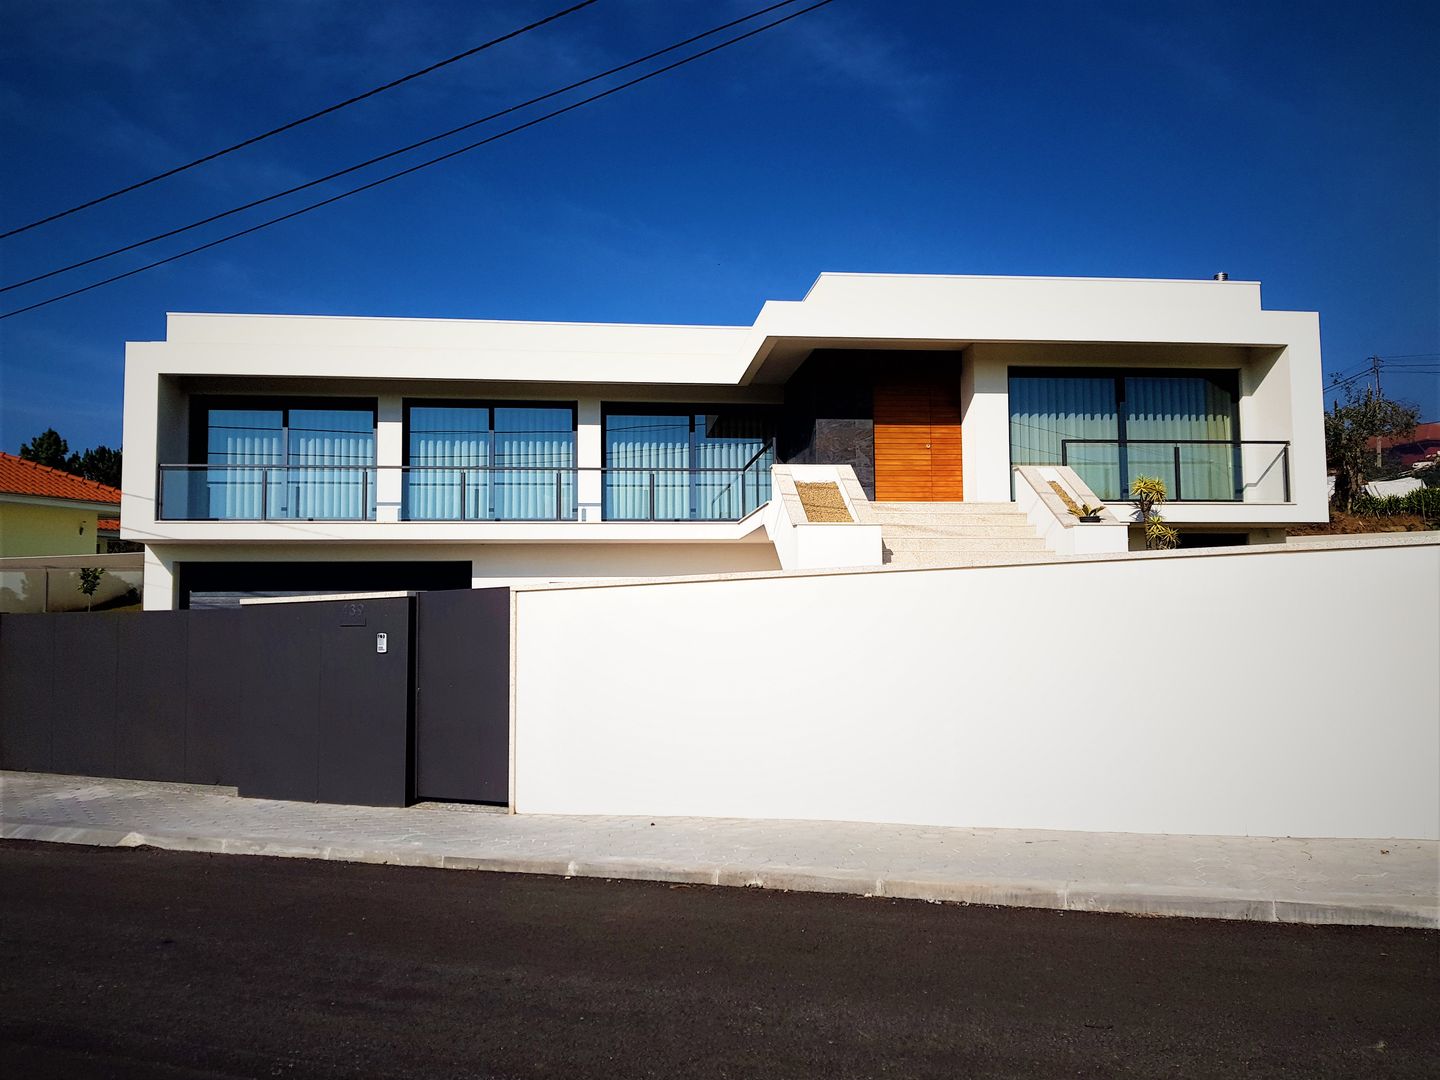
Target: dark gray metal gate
{"x":462,"y":696}
{"x":284,"y":701}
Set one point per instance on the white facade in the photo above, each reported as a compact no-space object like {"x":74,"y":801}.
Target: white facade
{"x":989,"y":326}
{"x":1193,"y":692}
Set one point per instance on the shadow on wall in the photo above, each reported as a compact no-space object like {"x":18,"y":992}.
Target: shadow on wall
{"x":24,"y":592}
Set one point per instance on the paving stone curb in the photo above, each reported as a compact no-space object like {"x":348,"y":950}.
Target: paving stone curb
{"x":1051,"y":895}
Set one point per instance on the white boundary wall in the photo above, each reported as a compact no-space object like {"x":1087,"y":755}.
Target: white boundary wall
{"x":1290,"y":693}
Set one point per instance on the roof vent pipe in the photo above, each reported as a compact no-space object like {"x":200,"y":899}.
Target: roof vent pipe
{"x":1222,"y":276}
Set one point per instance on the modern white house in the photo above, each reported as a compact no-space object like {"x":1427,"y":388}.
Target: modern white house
{"x":955,"y":417}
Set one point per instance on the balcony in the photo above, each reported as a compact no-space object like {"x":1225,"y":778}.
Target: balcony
{"x":442,"y":493}
{"x":1194,"y":470}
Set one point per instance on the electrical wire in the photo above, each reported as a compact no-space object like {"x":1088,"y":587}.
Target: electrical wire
{"x":424,"y":164}
{"x":302,"y":120}
{"x":394,"y":153}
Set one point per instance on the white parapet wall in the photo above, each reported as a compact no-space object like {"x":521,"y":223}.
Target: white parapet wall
{"x":801,"y":544}
{"x":1249,"y":691}
{"x":1062,"y":531}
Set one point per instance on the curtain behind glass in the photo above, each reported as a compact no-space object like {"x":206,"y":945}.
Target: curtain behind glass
{"x":1181,"y":408}
{"x":239,"y":437}
{"x":535,"y":464}
{"x":642,"y":450}
{"x":1045,"y":410}
{"x":449,"y":460}
{"x":726,"y":442}
{"x":331,"y":465}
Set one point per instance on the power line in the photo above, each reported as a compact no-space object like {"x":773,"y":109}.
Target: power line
{"x":1340,"y":384}
{"x":394,"y":153}
{"x":424,"y":164}
{"x":1352,"y":368}
{"x":302,"y":120}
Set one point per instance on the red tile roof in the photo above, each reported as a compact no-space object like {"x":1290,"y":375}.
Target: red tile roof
{"x":1417,"y":446}
{"x":107,"y":525}
{"x":21,"y":477}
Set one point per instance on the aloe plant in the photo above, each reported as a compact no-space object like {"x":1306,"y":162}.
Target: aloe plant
{"x":1148,"y":493}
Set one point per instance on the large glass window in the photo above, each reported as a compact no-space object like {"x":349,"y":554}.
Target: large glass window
{"x":268,"y":460}
{"x":482,"y":462}
{"x":1111,"y":427}
{"x":680,"y":464}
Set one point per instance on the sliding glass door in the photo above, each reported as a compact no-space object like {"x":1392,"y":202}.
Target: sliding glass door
{"x":490,"y":462}
{"x":1112,"y":427}
{"x":684,"y":465}
{"x":279,"y":460}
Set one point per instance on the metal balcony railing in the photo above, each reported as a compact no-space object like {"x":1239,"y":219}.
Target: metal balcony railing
{"x":461,"y":492}
{"x":266,"y":493}
{"x":1194,"y":470}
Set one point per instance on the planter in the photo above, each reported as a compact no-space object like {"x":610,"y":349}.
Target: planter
{"x":1090,"y":519}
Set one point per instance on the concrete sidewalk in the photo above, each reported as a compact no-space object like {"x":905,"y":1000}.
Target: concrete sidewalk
{"x":1375,"y":882}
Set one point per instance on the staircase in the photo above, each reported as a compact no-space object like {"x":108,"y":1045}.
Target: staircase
{"x":957,"y":534}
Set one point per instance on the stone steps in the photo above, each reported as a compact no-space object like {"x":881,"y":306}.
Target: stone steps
{"x":964,"y":543}
{"x":948,"y":507}
{"x":917,"y":534}
{"x":902,"y":560}
{"x":986,"y":528}
{"x":950,"y":520}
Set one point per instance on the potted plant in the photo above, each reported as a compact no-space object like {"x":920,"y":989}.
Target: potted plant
{"x":1087,"y":513}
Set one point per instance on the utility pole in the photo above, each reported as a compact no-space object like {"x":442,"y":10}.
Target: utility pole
{"x":1375,"y":363}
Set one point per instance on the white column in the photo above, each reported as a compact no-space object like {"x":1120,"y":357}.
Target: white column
{"x":159,"y":582}
{"x":985,"y":425}
{"x":589,"y":456}
{"x":389,"y":451}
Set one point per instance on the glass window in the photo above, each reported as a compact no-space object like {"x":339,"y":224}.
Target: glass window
{"x":280,"y":461}
{"x":1111,"y":427}
{"x":687,"y":465}
{"x":1048,"y":414}
{"x":482,"y":462}
{"x":1186,"y":419}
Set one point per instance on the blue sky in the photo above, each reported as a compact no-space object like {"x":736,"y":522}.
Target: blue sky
{"x":1296,"y":144}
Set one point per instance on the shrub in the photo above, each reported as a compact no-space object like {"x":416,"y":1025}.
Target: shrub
{"x":1148,"y":492}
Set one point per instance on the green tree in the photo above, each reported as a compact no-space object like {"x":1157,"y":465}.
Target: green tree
{"x":47,"y":448}
{"x":1349,"y":428}
{"x":90,"y":581}
{"x":100,"y":464}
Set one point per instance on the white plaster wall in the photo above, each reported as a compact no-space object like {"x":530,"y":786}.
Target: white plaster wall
{"x":491,"y":564}
{"x":805,"y":545}
{"x":1061,"y":531}
{"x":1251,"y":694}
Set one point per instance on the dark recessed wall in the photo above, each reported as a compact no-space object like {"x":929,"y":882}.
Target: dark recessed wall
{"x":830,"y":412}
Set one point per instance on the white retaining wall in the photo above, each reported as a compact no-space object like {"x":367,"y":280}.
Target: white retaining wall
{"x":1235,"y":692}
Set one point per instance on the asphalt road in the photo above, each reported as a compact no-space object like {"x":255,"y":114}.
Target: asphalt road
{"x":139,"y":963}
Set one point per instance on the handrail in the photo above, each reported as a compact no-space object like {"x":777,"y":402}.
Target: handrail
{"x":462,"y":482}
{"x":1183,"y":442}
{"x":1179,"y":496}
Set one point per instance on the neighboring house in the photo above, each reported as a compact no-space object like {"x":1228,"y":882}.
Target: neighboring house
{"x":1421,"y":445}
{"x":45,"y":511}
{"x":280,"y":454}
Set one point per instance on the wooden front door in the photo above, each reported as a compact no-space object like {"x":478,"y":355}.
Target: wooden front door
{"x":917,"y":438}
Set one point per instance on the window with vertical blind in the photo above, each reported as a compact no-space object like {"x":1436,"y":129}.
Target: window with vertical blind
{"x":479,"y":462}
{"x":1113,"y":426}
{"x":677,"y":463}
{"x":309,"y":459}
